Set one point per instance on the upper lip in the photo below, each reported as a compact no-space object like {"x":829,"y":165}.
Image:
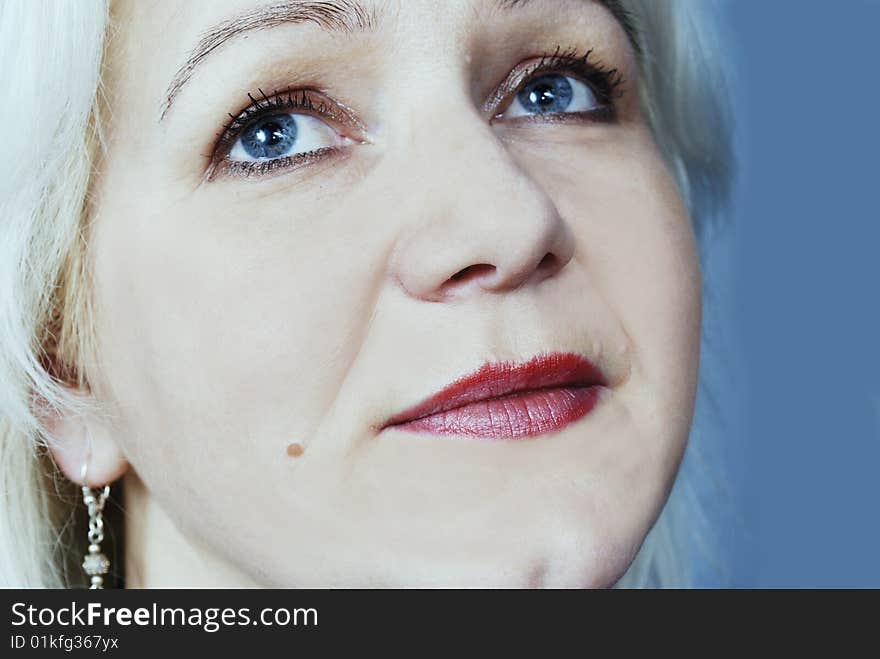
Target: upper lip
{"x":496,"y":379}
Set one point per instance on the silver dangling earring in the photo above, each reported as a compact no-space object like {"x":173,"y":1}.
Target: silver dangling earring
{"x":95,"y":563}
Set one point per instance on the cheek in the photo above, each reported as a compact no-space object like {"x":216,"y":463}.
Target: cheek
{"x":649,"y":271}
{"x":225,"y":330}
{"x":636,"y":249}
{"x":653,"y":284}
{"x":636,"y":245}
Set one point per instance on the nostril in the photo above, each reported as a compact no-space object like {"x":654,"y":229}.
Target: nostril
{"x":547,"y":262}
{"x":471,"y":272}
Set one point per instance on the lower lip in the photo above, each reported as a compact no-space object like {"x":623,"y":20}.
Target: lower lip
{"x":522,"y":414}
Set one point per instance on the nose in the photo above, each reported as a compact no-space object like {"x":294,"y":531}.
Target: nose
{"x":480,"y":222}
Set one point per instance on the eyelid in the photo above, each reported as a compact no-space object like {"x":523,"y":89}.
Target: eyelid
{"x":579,"y":65}
{"x":304,"y":100}
{"x":243,"y":169}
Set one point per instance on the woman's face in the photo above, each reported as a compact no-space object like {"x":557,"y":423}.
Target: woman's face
{"x":412,"y":193}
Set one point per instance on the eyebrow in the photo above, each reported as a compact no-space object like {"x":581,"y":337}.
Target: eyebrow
{"x":341,"y":16}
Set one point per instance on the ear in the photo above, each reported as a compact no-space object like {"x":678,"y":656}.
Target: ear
{"x":78,"y":438}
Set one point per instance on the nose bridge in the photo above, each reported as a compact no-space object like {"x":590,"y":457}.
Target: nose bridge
{"x":476,"y":219}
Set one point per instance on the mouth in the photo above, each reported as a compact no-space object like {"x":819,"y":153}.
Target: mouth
{"x":505,"y":400}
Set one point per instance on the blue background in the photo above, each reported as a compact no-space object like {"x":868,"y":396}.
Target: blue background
{"x":799,"y":310}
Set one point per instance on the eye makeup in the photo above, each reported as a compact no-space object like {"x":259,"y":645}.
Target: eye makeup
{"x":605,"y":83}
{"x":300,"y":101}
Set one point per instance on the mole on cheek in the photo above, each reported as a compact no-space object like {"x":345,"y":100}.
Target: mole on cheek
{"x":295,"y":449}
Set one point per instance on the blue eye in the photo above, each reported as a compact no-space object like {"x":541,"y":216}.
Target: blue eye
{"x":270,"y":137}
{"x":552,"y":93}
{"x":282,"y":135}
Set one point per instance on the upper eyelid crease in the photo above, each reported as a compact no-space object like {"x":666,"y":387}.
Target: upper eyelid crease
{"x":610,"y":78}
{"x":304,"y":100}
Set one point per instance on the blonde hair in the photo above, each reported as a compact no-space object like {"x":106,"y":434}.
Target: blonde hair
{"x":52,"y":54}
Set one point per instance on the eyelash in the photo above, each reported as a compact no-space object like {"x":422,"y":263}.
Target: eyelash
{"x":604,"y":82}
{"x":300,"y":100}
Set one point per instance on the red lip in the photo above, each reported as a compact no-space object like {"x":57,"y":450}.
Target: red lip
{"x":503,"y":400}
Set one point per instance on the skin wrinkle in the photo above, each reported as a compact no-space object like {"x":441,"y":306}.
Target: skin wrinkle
{"x":373,"y":297}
